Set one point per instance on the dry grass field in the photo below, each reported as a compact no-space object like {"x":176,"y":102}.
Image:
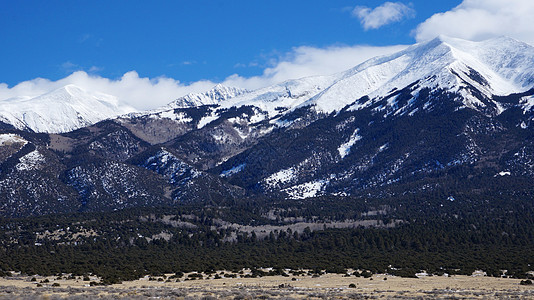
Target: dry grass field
{"x":329,"y":286}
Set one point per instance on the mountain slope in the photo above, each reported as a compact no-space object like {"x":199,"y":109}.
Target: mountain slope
{"x":476,"y":71}
{"x":475,"y":97}
{"x":448,"y":118}
{"x":478,"y":74}
{"x":61,"y":110}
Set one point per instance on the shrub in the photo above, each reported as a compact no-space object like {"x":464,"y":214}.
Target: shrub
{"x":366,"y":274}
{"x":177,"y":275}
{"x":526,"y":282}
{"x":352,"y":286}
{"x":195,"y":275}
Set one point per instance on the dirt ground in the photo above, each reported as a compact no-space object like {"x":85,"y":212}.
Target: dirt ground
{"x":329,"y":286}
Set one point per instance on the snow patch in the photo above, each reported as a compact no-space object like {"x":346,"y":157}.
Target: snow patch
{"x":527,"y":103}
{"x":179,"y":117}
{"x":220,"y":137}
{"x":383,"y":147}
{"x":30,"y":161}
{"x":168,"y":165}
{"x":232,"y":171}
{"x":344,"y":149}
{"x":306,"y":190}
{"x":284,"y":123}
{"x":206,"y":120}
{"x":10,"y":138}
{"x":281,"y":177}
{"x":422,"y":275}
{"x":258,"y":116}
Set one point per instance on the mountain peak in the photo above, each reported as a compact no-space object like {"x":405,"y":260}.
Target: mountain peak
{"x":72,"y":89}
{"x":64,"y":109}
{"x":64,"y":93}
{"x":220,"y":86}
{"x":222,"y":92}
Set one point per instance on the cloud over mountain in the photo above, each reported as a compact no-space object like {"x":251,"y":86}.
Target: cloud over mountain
{"x":482,"y":19}
{"x":472,"y":19}
{"x":148,"y":93}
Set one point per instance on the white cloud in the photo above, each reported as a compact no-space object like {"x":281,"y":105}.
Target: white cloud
{"x":145,"y":93}
{"x":139,"y":92}
{"x":69,"y":66}
{"x":94,"y":69}
{"x":387,"y":13}
{"x":309,"y":61}
{"x":482,"y":19}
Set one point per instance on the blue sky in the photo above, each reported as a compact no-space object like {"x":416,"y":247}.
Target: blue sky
{"x":185,"y":40}
{"x":193,"y":44}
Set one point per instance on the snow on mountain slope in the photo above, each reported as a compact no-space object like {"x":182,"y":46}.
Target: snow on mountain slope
{"x":31,"y":161}
{"x":10,"y":138}
{"x":527,"y":103}
{"x":473,"y":72}
{"x":286,"y":95}
{"x":62,"y":110}
{"x":498,"y":66}
{"x":267,"y":102}
{"x":216,"y":95}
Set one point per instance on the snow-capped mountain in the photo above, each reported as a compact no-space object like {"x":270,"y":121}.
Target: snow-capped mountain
{"x":62,"y":110}
{"x":216,"y":95}
{"x":499,"y":66}
{"x":477,"y":71}
{"x":443,"y":117}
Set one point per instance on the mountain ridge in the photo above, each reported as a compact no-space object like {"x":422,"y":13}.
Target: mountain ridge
{"x":436,"y":125}
{"x":216,"y":95}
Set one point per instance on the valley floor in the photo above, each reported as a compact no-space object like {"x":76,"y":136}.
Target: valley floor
{"x":329,"y":286}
